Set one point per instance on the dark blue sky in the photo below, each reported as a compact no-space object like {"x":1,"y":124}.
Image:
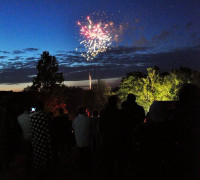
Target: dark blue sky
{"x":154,"y":32}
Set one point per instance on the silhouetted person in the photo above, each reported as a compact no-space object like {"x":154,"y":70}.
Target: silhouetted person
{"x":61,"y":131}
{"x":95,"y":130}
{"x":10,"y":133}
{"x":3,"y":133}
{"x":186,"y":131}
{"x":133,"y":116}
{"x":24,"y":123}
{"x":41,"y":140}
{"x":81,"y":126}
{"x":134,"y":113}
{"x":95,"y":139}
{"x":155,"y":142}
{"x":110,"y":130}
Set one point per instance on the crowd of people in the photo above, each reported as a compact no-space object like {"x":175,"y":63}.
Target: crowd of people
{"x":114,"y":143}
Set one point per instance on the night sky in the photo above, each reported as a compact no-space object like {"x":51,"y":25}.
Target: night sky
{"x":165,"y":33}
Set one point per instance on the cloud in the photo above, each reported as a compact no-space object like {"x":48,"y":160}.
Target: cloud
{"x":32,"y":76}
{"x":125,"y":50}
{"x":61,"y":55}
{"x":32,"y":58}
{"x":187,"y":57}
{"x":60,"y":51}
{"x":3,"y":57}
{"x":5,"y":52}
{"x":18,"y":52}
{"x":23,"y":51}
{"x":114,"y":63}
{"x":31,"y":49}
{"x":17,"y":58}
{"x":162,"y":36}
{"x":16,"y":75}
{"x":113,"y":56}
{"x":75,"y":52}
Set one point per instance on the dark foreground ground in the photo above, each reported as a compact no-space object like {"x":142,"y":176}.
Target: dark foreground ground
{"x":69,"y":168}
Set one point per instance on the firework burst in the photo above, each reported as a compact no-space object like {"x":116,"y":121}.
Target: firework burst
{"x":97,"y":37}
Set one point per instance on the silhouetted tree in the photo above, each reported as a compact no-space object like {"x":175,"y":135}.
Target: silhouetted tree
{"x":48,"y":76}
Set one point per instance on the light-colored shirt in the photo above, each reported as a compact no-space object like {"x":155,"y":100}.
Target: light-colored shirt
{"x":81,"y":126}
{"x":24,"y":122}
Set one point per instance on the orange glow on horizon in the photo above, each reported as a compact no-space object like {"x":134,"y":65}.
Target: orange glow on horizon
{"x":17,"y":87}
{"x":14,"y":87}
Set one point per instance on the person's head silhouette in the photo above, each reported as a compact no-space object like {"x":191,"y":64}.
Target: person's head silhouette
{"x":131,"y":98}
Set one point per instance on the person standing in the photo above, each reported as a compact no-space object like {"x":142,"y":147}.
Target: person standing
{"x":41,"y":142}
{"x":61,"y":132}
{"x":24,"y":122}
{"x":110,"y":130}
{"x":81,"y":126}
{"x":95,"y":131}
